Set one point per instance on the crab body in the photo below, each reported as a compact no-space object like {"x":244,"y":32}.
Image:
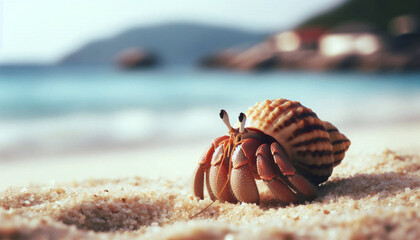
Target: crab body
{"x":286,"y":145}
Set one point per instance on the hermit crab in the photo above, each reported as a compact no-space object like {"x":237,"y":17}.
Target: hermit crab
{"x":286,"y":145}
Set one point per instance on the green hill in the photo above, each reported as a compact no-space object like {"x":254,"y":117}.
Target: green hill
{"x":375,"y":12}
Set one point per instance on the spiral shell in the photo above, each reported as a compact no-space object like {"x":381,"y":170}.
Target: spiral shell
{"x":314,"y":146}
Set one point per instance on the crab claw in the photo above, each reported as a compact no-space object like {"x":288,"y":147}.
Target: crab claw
{"x":280,"y":175}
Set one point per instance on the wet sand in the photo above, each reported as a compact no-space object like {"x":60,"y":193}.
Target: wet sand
{"x":373,"y":194}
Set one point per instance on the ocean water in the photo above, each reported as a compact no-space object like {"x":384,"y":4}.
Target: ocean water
{"x":56,"y":109}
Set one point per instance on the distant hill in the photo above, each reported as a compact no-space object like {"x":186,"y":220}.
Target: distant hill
{"x":375,"y":12}
{"x":175,"y":44}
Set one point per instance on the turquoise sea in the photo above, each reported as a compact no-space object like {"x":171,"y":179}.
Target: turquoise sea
{"x":49,"y":109}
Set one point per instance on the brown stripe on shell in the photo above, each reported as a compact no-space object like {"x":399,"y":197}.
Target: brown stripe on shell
{"x":340,"y":152}
{"x":283,"y":109}
{"x":339,"y":141}
{"x":316,"y":153}
{"x":330,"y":127}
{"x":336,"y":163}
{"x":307,"y":129}
{"x":312,"y":141}
{"x":332,"y":130}
{"x":287,"y":106}
{"x":296,"y":116}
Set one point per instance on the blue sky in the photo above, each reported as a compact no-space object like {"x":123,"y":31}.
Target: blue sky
{"x":45,"y":30}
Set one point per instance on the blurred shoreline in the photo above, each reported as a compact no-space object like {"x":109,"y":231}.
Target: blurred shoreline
{"x":69,"y":111}
{"x":176,"y":160}
{"x":55,"y":146}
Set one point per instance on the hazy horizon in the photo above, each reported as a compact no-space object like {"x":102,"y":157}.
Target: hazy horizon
{"x":45,"y":31}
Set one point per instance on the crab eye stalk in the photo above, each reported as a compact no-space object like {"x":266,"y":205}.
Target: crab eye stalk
{"x":242,"y":120}
{"x":225,"y":117}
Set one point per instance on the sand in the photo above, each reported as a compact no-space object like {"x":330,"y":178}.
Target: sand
{"x":373,"y":194}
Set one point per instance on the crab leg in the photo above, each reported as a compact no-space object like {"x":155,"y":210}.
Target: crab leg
{"x":203,"y":168}
{"x":199,"y":173}
{"x":269,"y":172}
{"x":219,"y":171}
{"x":305,"y":189}
{"x":210,"y":192}
{"x":242,"y":178}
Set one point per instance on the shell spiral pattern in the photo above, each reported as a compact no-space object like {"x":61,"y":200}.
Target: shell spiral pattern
{"x":315,"y":146}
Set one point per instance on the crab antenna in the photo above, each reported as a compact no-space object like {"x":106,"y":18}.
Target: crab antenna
{"x":225,"y":117}
{"x":242,"y":120}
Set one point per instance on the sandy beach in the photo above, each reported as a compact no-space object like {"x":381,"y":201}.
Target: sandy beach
{"x":373,"y":194}
{"x":110,"y":112}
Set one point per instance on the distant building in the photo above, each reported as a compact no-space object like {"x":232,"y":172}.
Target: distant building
{"x":405,"y":32}
{"x":348,"y":39}
{"x":405,"y":24}
{"x":300,"y":39}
